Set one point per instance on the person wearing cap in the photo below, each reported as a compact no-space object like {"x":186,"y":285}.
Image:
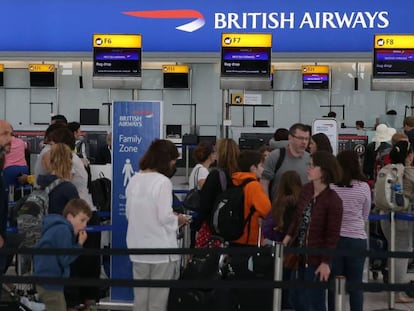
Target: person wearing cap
{"x":379,"y":147}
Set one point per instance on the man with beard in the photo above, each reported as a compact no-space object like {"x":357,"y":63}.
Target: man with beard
{"x":294,"y":157}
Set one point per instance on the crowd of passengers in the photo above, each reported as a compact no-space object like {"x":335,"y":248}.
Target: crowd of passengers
{"x":303,"y":195}
{"x":307,"y":198}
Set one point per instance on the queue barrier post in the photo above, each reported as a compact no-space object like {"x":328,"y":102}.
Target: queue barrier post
{"x":391,"y":261}
{"x":278,"y":275}
{"x":340,"y":293}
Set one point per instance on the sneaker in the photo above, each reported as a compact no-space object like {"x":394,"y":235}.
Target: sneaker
{"x":403,"y":298}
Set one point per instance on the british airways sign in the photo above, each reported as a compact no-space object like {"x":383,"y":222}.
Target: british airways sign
{"x":196,"y":25}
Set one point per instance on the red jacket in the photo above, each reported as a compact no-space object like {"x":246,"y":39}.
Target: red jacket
{"x":253,"y":196}
{"x":325,"y":222}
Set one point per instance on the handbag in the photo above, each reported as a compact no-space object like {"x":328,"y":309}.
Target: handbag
{"x":192,"y":199}
{"x":291,"y":261}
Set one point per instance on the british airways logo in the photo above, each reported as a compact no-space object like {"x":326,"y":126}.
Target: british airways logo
{"x":194,"y":25}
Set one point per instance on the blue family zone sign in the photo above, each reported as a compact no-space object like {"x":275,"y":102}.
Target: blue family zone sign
{"x":197,"y":25}
{"x":135,"y":125}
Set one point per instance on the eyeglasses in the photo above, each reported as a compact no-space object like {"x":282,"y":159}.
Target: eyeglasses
{"x":301,"y":138}
{"x":310,"y":165}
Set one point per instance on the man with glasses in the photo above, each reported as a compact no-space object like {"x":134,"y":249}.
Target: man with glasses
{"x":294,"y":158}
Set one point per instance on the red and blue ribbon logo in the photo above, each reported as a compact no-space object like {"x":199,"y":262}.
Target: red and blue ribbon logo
{"x":194,"y":25}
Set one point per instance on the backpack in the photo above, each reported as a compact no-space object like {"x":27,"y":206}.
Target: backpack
{"x":388,"y":189}
{"x":29,"y":211}
{"x":228,"y":219}
{"x":192,"y":199}
{"x":80,"y":145}
{"x":380,"y":160}
{"x":100,"y":189}
{"x":282,"y":154}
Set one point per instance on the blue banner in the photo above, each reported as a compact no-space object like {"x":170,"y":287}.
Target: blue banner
{"x":196,"y":25}
{"x":135,"y":125}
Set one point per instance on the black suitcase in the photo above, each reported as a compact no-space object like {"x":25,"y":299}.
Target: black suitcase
{"x":183,"y":299}
{"x":378,"y":242}
{"x":255,"y":267}
{"x":205,"y":267}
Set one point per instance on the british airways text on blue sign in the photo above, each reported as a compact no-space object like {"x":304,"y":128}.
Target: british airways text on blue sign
{"x":310,"y":20}
{"x":129,"y":143}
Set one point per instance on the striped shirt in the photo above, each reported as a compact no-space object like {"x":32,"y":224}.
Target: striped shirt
{"x":356,"y":202}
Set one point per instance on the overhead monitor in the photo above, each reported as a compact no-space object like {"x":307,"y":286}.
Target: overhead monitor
{"x":117,"y":61}
{"x":245,"y":61}
{"x":1,"y":74}
{"x":89,"y":116}
{"x":42,"y":75}
{"x":175,"y":76}
{"x":315,"y":77}
{"x":393,"y":62}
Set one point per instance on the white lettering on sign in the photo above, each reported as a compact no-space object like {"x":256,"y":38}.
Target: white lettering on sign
{"x":130,"y":139}
{"x":127,"y":121}
{"x":311,"y":20}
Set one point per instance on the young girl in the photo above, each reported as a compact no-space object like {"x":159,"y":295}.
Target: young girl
{"x":278,"y":220}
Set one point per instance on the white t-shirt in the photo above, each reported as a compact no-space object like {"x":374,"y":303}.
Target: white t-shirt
{"x":151,"y":221}
{"x":80,"y":180}
{"x":198,"y":173}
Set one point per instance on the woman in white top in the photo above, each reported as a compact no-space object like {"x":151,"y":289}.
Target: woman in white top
{"x":152,"y":223}
{"x":204,"y":154}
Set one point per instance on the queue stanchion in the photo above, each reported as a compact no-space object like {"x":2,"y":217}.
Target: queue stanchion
{"x":187,"y":162}
{"x":186,"y":242}
{"x":340,"y":292}
{"x":391,"y":263}
{"x":278,"y":275}
{"x":391,"y":267}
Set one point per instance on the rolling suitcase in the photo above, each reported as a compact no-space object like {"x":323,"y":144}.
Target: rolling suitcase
{"x":208,"y":267}
{"x":254,"y":267}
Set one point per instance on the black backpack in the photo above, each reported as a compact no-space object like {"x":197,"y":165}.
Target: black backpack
{"x":101,"y":193}
{"x":228,"y":219}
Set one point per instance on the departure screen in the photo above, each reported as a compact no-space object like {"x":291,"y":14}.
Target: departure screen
{"x":394,"y":63}
{"x":117,"y":62}
{"x":315,"y":81}
{"x":245,"y":61}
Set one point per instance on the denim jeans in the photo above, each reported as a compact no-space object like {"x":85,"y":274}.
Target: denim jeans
{"x":352,"y":269}
{"x":307,"y":299}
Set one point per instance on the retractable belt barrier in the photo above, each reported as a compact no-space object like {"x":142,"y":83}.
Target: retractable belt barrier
{"x":276,"y":251}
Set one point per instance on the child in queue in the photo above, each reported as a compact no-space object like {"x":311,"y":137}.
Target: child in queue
{"x":60,"y":231}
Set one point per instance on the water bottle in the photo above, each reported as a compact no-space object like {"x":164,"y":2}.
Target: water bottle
{"x":399,"y":197}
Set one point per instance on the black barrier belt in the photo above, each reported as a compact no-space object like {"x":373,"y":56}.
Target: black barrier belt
{"x":204,"y":251}
{"x":374,"y":287}
{"x":199,"y":283}
{"x":202,"y":284}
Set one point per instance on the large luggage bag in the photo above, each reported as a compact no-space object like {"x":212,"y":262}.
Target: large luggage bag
{"x":207,"y":267}
{"x":253,"y":268}
{"x":378,"y":242}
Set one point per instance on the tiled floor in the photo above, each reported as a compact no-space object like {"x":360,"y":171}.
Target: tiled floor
{"x":379,"y":301}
